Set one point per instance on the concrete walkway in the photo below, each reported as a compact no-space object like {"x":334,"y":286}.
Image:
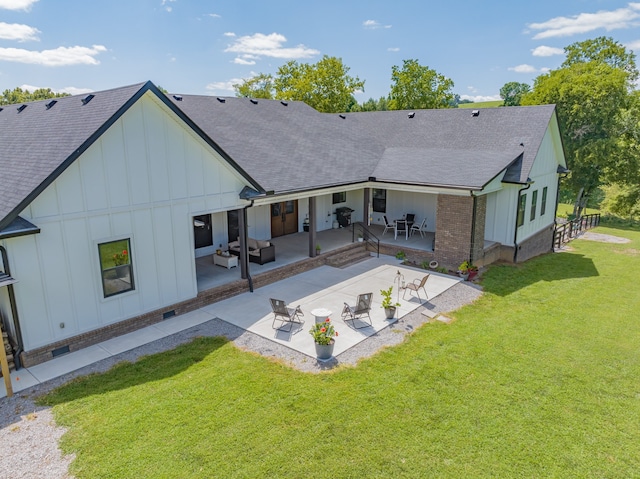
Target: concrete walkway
{"x":324,"y":287}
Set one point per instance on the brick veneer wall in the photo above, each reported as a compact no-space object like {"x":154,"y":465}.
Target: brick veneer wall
{"x":540,"y":243}
{"x":477,"y":240}
{"x":213,"y":295}
{"x":453,"y":229}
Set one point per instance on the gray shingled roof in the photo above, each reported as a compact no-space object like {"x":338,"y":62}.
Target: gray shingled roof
{"x":294,"y":147}
{"x":282,"y":147}
{"x":36,"y":142}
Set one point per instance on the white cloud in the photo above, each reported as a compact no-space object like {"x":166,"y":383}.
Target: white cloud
{"x":213,"y":15}
{"x":393,"y":49}
{"x":633,"y":45}
{"x":19,"y":32}
{"x":167,"y":6}
{"x":229,"y":34}
{"x":524,"y":68}
{"x":61,"y":56}
{"x":477,"y":98}
{"x":243,"y":61}
{"x":373,"y":25}
{"x":71,"y":90}
{"x":17,"y":4}
{"x":626,"y":17}
{"x":544,"y":51}
{"x":270,"y":45}
{"x":223,"y":87}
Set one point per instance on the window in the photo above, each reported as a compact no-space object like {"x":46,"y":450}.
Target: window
{"x":340,"y":197}
{"x":534,"y":202}
{"x":521,"y":207}
{"x":379,"y":200}
{"x":543,"y":206}
{"x":115,"y":266}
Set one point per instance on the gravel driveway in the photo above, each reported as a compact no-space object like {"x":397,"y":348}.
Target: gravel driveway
{"x":30,"y":436}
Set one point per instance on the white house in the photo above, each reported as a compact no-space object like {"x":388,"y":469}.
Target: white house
{"x":100,"y":194}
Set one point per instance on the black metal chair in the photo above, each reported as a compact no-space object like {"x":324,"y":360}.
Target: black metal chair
{"x":285,"y":314}
{"x":387,"y":225}
{"x":401,"y":227}
{"x":360,"y":311}
{"x":416,"y":286}
{"x":411,"y":218}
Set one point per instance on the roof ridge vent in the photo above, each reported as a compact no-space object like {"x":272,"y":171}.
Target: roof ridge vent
{"x":475,"y":113}
{"x":51,"y":103}
{"x":177,"y":97}
{"x":253,"y":100}
{"x":342,"y":116}
{"x":284,"y":102}
{"x":87,"y":99}
{"x":411,"y":114}
{"x":21,"y":108}
{"x":221,"y":100}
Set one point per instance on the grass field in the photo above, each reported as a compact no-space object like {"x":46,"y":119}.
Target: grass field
{"x":481,"y":104}
{"x":538,"y":378}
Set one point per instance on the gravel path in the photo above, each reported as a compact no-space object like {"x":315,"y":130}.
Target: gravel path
{"x":29,"y":435}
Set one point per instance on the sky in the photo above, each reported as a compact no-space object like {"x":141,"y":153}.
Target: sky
{"x":203,"y":47}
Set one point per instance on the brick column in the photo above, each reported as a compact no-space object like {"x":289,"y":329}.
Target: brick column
{"x":454,"y":223}
{"x":477,"y":241}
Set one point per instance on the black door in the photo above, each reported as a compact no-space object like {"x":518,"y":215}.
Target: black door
{"x":202,"y":231}
{"x":232,"y":225}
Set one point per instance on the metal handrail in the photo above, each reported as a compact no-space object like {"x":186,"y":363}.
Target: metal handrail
{"x":565,"y":232}
{"x":367,"y":236}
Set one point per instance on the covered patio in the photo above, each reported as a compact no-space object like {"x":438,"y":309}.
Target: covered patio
{"x":294,"y":247}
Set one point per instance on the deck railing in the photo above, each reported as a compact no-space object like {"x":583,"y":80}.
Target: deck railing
{"x":565,"y":232}
{"x":360,"y":229}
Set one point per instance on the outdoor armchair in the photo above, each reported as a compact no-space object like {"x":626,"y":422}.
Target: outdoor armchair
{"x":417,"y":285}
{"x":360,"y":311}
{"x":387,"y":225}
{"x":285,"y":314}
{"x":420,"y":228}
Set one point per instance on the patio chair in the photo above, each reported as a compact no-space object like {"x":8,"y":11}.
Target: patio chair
{"x":416,"y":286}
{"x":285,"y":314}
{"x":410,"y":219}
{"x":420,"y":228}
{"x":387,"y":225}
{"x":360,"y":311}
{"x":401,"y":226}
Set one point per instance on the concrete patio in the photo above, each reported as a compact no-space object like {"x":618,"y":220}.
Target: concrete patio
{"x":325,"y":287}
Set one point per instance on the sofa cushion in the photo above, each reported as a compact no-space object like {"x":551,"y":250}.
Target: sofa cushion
{"x":263,"y":244}
{"x":234,"y":245}
{"x":252,"y":244}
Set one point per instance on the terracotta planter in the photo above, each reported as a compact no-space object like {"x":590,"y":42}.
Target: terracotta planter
{"x":324,"y":351}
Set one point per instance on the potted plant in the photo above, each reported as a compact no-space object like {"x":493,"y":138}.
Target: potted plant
{"x":387,"y":303}
{"x":467,"y":270}
{"x":401,"y":255}
{"x":360,"y":238}
{"x":318,"y":248}
{"x":323,"y":334}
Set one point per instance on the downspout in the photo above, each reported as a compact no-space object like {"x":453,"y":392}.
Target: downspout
{"x":515,"y":233}
{"x":14,"y":309}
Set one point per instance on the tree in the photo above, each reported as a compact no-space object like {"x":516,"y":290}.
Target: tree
{"x":602,"y":50}
{"x":18,"y":95}
{"x":591,"y":92}
{"x":260,"y":86}
{"x":326,"y":85}
{"x":513,"y":92}
{"x":371,"y":105}
{"x":416,"y":86}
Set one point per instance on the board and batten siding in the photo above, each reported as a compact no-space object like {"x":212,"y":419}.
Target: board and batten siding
{"x":144,"y":179}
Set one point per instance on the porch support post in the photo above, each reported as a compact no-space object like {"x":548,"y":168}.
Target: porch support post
{"x":365,"y":207}
{"x":312,"y":226}
{"x":242,"y":236}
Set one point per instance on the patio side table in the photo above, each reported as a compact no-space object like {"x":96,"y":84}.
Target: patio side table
{"x":321,"y":314}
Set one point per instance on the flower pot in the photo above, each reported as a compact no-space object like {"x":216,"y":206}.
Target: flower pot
{"x":390,"y":312}
{"x":433,"y":264}
{"x":360,"y":240}
{"x":463,"y":275}
{"x":472,"y":274}
{"x":324,"y":351}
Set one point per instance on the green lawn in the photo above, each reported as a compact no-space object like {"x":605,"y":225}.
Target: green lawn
{"x":539,"y":378}
{"x":481,"y":104}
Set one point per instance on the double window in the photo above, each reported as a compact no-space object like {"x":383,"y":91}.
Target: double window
{"x":340,"y":197}
{"x":534,"y":204}
{"x":116,"y":267}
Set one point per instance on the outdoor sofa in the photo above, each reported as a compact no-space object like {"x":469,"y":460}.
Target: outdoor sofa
{"x":260,"y":252}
